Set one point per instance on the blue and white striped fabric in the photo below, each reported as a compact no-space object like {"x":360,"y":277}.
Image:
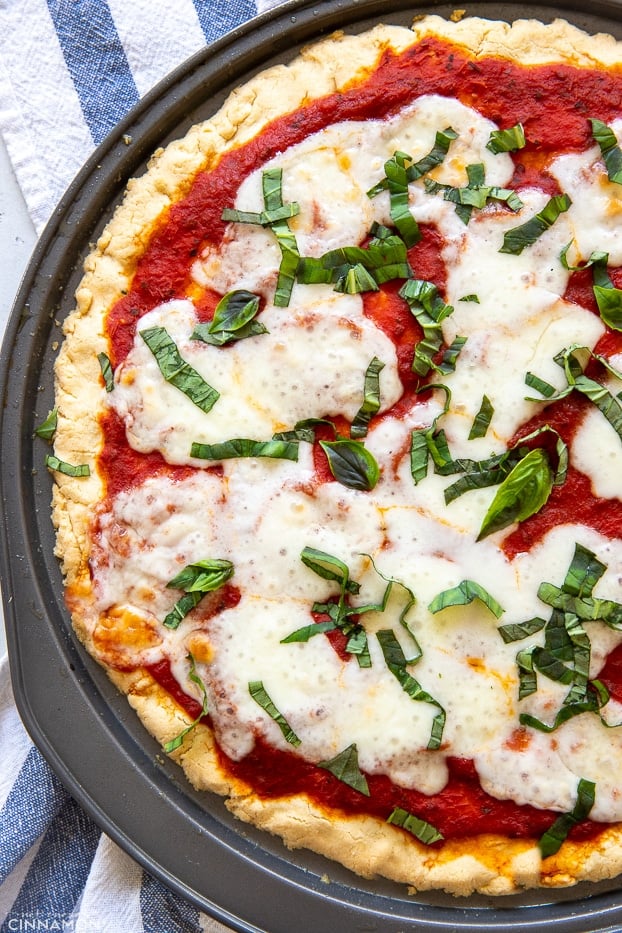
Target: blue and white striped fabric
{"x":69,"y":70}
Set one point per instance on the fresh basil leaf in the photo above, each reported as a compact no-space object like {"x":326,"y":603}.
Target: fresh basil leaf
{"x":194,"y":677}
{"x":608,"y":297}
{"x":556,"y":835}
{"x":47,"y":428}
{"x":482,"y":419}
{"x":345,"y":767}
{"x":516,"y":239}
{"x":609,"y":148}
{"x":329,"y":568}
{"x":177,"y":371}
{"x":106,"y":368}
{"x":396,"y":662}
{"x":371,"y":399}
{"x":463,"y":594}
{"x":522,"y":493}
{"x":245,"y":447}
{"x":507,"y":140}
{"x":351,"y":464}
{"x":233,"y":320}
{"x":260,"y":696}
{"x":423,"y":831}
{"x":197,"y":579}
{"x":68,"y":469}
{"x":203,"y":576}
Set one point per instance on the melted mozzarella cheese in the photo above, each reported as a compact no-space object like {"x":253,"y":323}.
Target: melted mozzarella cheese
{"x":261,"y":514}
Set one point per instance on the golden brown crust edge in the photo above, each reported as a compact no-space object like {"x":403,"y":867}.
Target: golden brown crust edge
{"x":365,"y":845}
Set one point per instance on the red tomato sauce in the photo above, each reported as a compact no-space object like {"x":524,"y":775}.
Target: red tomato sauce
{"x":553,"y":103}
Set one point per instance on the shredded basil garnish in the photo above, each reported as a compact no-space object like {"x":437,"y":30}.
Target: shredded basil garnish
{"x":177,"y":371}
{"x":507,"y":140}
{"x":245,"y":447}
{"x":424,"y":832}
{"x":371,"y":399}
{"x":482,"y":419}
{"x":608,"y":404}
{"x":552,"y":840}
{"x":609,"y":148}
{"x":233,"y":320}
{"x":260,"y":696}
{"x":608,"y":297}
{"x":475,"y":195}
{"x":522,"y":493}
{"x":69,"y":469}
{"x":351,"y":464}
{"x":462,"y":595}
{"x":473,"y":297}
{"x":196,"y":579}
{"x":47,"y":428}
{"x":106,"y":368}
{"x":356,"y":269}
{"x":519,"y":630}
{"x":194,"y":677}
{"x":516,"y":239}
{"x":396,"y":662}
{"x":430,"y":311}
{"x":400,"y":171}
{"x":345,"y":767}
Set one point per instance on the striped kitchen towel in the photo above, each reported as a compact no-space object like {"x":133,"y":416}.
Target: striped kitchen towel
{"x":69,"y":71}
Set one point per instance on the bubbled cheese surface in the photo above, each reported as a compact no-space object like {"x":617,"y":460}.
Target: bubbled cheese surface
{"x":260,"y":514}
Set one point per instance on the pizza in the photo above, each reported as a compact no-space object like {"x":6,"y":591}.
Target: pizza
{"x":337,"y":453}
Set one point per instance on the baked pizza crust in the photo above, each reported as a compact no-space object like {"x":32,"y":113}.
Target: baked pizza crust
{"x":488,"y":864}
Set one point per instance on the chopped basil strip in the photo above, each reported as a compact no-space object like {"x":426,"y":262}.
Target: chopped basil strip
{"x":400,"y":170}
{"x":177,"y":371}
{"x":540,"y":385}
{"x":106,"y":368}
{"x":351,"y":464}
{"x":396,"y":662}
{"x":516,"y":239}
{"x":430,"y":311}
{"x":371,"y":399}
{"x":608,"y":404}
{"x":473,"y":297}
{"x":304,"y":430}
{"x":245,"y":447}
{"x":264,"y":218}
{"x":522,"y":493}
{"x":597,"y":697}
{"x":519,"y":630}
{"x":356,"y":269}
{"x":271,"y":181}
{"x":69,"y":469}
{"x":475,"y":195}
{"x":584,"y":572}
{"x":47,"y":428}
{"x":260,"y":696}
{"x":345,"y":767}
{"x":482,"y":419}
{"x":233,"y":320}
{"x":463,"y":594}
{"x":197,"y":579}
{"x":194,"y":677}
{"x":329,"y":568}
{"x":424,"y":832}
{"x":507,"y":140}
{"x":555,"y":836}
{"x":609,"y":148}
{"x":596,"y":256}
{"x":608,"y":297}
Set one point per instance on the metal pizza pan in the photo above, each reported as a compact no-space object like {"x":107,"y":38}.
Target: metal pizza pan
{"x":82,"y":725}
